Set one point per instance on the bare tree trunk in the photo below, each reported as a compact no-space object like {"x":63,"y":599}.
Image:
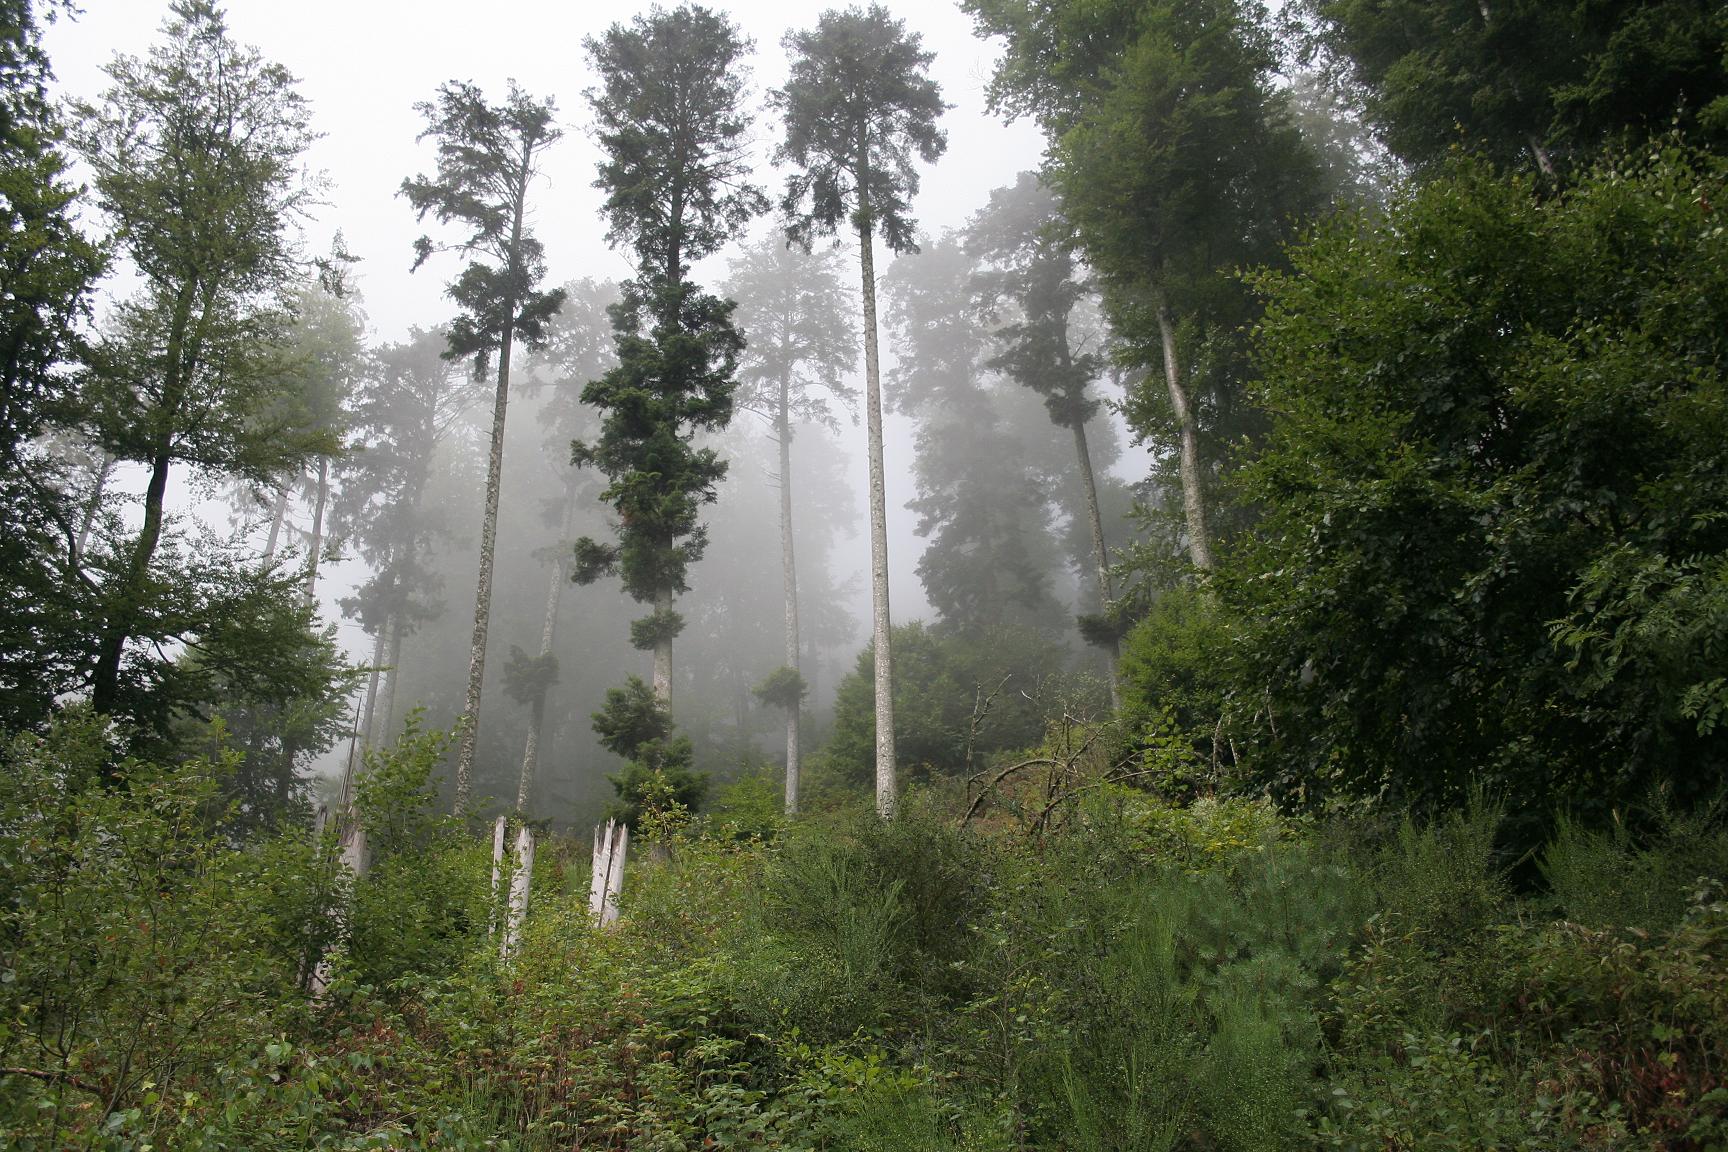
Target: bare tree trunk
{"x":103,"y":472}
{"x":395,"y":675}
{"x":1100,"y":555}
{"x":316,"y":552}
{"x":789,"y":582}
{"x":663,"y":652}
{"x":278,"y":514}
{"x":366,"y":729}
{"x":489,"y":526}
{"x":886,"y":788}
{"x":548,"y":630}
{"x":1193,"y":497}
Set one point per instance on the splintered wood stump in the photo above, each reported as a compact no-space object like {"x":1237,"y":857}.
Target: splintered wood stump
{"x":611,"y":844}
{"x":521,"y":876}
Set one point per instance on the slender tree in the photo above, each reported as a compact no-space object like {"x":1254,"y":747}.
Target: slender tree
{"x":858,"y":107}
{"x":675,"y":135}
{"x":576,"y":352}
{"x":487,"y":158}
{"x":802,"y":340}
{"x":1027,"y":250}
{"x":196,"y":156}
{"x":1178,"y":163}
{"x":404,"y":408}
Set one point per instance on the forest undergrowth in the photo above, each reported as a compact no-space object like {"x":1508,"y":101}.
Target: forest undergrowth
{"x":1140,"y":976}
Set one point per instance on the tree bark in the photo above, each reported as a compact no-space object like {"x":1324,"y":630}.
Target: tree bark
{"x":1193,"y":497}
{"x":887,"y":795}
{"x":103,"y":472}
{"x":489,"y":522}
{"x":366,"y":729}
{"x":184,"y":341}
{"x":278,"y":515}
{"x":1100,"y":555}
{"x":789,"y":582}
{"x":315,"y":553}
{"x":663,"y":652}
{"x":548,"y":630}
{"x":395,"y":674}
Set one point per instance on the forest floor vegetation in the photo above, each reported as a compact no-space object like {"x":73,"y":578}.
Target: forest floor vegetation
{"x":1143,"y":975}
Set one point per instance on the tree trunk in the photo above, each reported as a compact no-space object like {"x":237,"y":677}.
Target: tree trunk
{"x":278,"y":514}
{"x":489,"y":523}
{"x":105,"y":683}
{"x":103,"y":472}
{"x":663,"y":652}
{"x":789,"y":582}
{"x":1100,"y":556}
{"x":548,"y":630}
{"x":366,"y":729}
{"x":886,"y":789}
{"x":1193,"y":497}
{"x":122,"y":618}
{"x":315,"y":553}
{"x":395,"y":675}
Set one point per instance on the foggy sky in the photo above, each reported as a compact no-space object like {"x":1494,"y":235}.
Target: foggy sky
{"x":364,"y":63}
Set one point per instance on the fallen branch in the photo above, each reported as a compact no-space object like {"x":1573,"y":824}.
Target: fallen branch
{"x":53,"y":1077}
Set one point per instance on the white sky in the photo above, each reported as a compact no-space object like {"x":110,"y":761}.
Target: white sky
{"x":364,"y":64}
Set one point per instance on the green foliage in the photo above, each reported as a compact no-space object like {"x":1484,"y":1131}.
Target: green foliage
{"x":48,"y":270}
{"x":422,"y":904}
{"x":196,"y":157}
{"x":782,"y":688}
{"x":1614,"y":879}
{"x":487,"y":155}
{"x":858,"y":106}
{"x":942,"y":680}
{"x":527,"y":678}
{"x":138,"y":945}
{"x":637,"y":726}
{"x":1498,"y":417}
{"x":1504,"y":79}
{"x":671,"y":120}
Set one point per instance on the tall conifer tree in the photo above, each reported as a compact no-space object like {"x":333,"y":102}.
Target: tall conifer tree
{"x":858,"y":107}
{"x":487,"y":158}
{"x":672,"y":124}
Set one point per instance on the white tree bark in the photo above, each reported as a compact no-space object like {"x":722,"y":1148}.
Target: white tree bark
{"x":393,"y":677}
{"x":611,"y":844}
{"x":1193,"y":496}
{"x":887,"y":794}
{"x":663,"y":652}
{"x":521,"y":879}
{"x":615,"y":875}
{"x":317,"y":549}
{"x":597,"y":875}
{"x":278,"y":515}
{"x":489,"y":529}
{"x":103,"y":472}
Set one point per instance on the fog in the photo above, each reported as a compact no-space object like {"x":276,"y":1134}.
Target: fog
{"x":363,"y":67}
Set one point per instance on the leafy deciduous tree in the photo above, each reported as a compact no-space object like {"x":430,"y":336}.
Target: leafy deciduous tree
{"x":196,"y":154}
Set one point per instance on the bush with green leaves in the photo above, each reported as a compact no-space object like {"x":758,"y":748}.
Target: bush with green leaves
{"x":141,"y":951}
{"x":1492,"y":543}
